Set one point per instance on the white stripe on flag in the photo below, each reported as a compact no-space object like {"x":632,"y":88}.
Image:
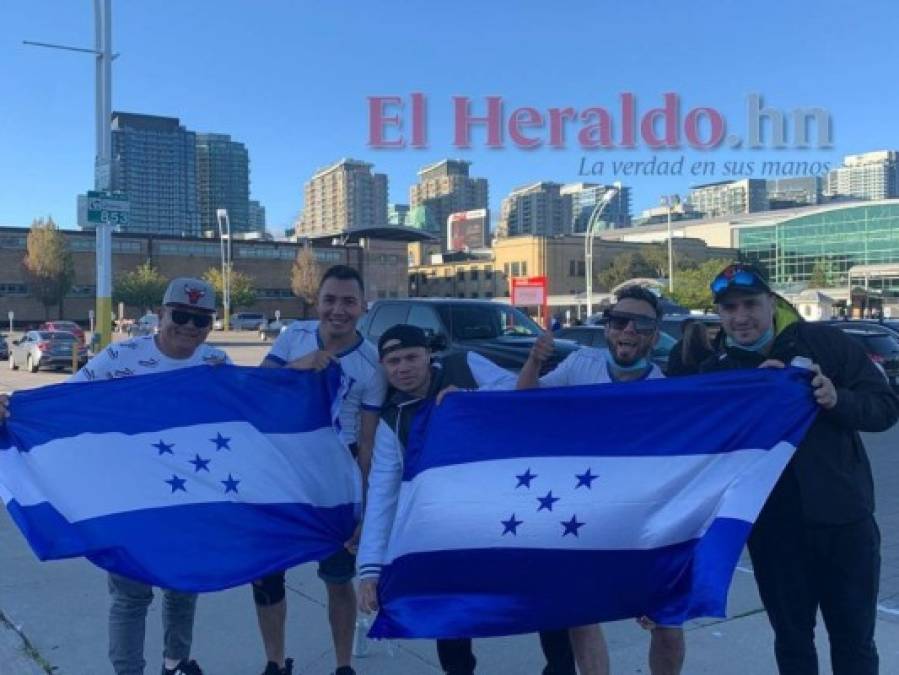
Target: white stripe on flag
{"x":92,"y":475}
{"x":635,"y":503}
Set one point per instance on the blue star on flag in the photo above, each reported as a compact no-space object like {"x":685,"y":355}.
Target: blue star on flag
{"x":511,"y":525}
{"x":164,"y":447}
{"x":525,"y":478}
{"x":547,"y":501}
{"x":571,"y":526}
{"x":585,"y":479}
{"x":221,"y":442}
{"x":200,"y":463}
{"x":177,"y":484}
{"x":230,"y":484}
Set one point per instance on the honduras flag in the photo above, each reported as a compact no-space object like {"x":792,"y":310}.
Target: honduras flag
{"x":196,"y":479}
{"x":546,"y":509}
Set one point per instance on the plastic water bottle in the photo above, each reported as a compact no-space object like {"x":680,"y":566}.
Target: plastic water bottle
{"x":360,"y":636}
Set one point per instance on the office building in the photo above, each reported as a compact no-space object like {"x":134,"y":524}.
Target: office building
{"x":584,"y":197}
{"x":444,"y":188}
{"x":731,"y":197}
{"x":871,"y":175}
{"x":536,"y":209}
{"x":223,"y":182}
{"x":256,"y":216}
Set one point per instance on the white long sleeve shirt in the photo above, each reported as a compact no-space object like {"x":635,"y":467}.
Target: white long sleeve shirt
{"x":386,"y":474}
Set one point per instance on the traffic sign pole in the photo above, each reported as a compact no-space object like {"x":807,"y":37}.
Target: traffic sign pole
{"x":103,"y":323}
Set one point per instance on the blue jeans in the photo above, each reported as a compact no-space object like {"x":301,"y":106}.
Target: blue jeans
{"x":127,"y":623}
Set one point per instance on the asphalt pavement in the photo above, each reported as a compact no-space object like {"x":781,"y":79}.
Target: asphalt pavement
{"x":53,"y":615}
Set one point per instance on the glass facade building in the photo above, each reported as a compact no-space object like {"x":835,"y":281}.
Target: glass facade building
{"x":154,"y":163}
{"x":831,"y":240}
{"x":223,"y":181}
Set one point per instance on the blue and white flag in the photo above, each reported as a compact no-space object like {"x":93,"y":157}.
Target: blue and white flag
{"x":546,"y":509}
{"x":197,"y":479}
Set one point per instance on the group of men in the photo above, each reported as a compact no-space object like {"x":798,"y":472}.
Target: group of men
{"x":815,"y":545}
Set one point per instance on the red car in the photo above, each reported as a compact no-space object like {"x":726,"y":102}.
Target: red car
{"x":67,"y":326}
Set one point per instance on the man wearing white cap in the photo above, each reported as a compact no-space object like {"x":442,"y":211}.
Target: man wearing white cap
{"x":185,"y":322}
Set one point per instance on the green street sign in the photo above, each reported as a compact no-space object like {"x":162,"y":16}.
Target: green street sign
{"x":107,"y":208}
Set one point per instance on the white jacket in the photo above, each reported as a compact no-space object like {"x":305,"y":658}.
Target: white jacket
{"x":386,"y":474}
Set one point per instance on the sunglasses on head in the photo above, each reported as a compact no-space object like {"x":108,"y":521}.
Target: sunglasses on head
{"x":644,"y":325}
{"x":200,"y":320}
{"x":737,"y":276}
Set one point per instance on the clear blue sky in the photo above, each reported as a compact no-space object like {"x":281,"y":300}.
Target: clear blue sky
{"x":290,"y":79}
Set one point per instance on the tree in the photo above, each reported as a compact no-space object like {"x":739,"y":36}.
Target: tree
{"x":691,"y":285}
{"x":143,"y":287}
{"x":625,"y":266}
{"x":242,"y":287}
{"x":304,"y":278}
{"x":820,"y":275}
{"x":48,"y":264}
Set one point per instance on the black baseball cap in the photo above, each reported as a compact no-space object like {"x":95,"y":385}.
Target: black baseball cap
{"x":738,"y":277}
{"x":401,"y":336}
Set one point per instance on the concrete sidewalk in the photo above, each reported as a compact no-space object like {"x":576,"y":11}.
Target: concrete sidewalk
{"x":61,"y":608}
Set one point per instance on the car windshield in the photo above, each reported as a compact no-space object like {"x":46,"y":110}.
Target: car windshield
{"x":485,"y":322}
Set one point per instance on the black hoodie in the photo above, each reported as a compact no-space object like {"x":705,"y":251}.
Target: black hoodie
{"x":829,"y":477}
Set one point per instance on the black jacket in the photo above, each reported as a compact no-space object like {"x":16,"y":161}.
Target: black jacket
{"x":400,"y":409}
{"x":829,"y":477}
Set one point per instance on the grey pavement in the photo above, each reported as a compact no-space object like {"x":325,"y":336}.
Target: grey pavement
{"x":54,"y":614}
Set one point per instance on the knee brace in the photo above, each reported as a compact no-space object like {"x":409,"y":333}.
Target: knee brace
{"x":269,"y":590}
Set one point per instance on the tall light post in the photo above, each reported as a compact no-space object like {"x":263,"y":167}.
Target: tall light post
{"x":102,"y":52}
{"x":221,"y":215}
{"x":670,"y":201}
{"x":589,"y":235}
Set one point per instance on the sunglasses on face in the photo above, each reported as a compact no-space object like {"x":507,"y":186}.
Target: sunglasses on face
{"x":737,"y":277}
{"x":644,"y":325}
{"x":200,"y":320}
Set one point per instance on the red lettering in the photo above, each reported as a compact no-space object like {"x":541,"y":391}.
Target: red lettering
{"x":669,"y":115}
{"x":464,"y":121}
{"x":598,"y":135}
{"x":557,"y":117}
{"x":716,"y":128}
{"x":377,"y":121}
{"x":525,"y":117}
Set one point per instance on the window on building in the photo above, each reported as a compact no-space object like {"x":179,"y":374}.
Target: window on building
{"x":572,"y":268}
{"x":516,"y":269}
{"x":524,"y":268}
{"x":581,"y":268}
{"x":488,"y":273}
{"x":488,"y":294}
{"x":506,"y":268}
{"x":474,"y":294}
{"x":473,"y":275}
{"x":460,"y":275}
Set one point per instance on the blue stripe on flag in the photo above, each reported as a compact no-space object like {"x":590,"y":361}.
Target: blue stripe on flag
{"x":265,"y":397}
{"x":669,"y":417}
{"x":228,"y":544}
{"x":509,"y":591}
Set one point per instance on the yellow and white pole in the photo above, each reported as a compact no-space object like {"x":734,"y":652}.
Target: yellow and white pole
{"x":103,"y":44}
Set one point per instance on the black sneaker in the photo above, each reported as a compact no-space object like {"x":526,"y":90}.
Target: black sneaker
{"x":271,"y":668}
{"x":344,"y":670}
{"x":185,"y":667}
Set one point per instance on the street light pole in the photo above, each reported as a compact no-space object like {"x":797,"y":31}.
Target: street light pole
{"x":102,"y":120}
{"x":589,"y":235}
{"x":669,"y":201}
{"x":225,"y":231}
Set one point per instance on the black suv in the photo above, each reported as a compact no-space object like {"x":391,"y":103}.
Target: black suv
{"x":499,"y":332}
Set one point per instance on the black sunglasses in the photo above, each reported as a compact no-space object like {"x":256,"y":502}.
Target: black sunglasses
{"x":200,"y":320}
{"x":644,"y":325}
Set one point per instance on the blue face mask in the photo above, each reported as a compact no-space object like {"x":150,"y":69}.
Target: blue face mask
{"x":756,"y":346}
{"x":617,"y":368}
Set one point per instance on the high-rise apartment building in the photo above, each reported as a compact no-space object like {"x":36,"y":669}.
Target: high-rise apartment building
{"x":537,"y":209}
{"x":730,"y":197}
{"x":154,"y":164}
{"x":223,"y":182}
{"x":871,"y":175}
{"x":341,"y":197}
{"x":583,"y":198}
{"x":256,"y":216}
{"x":794,"y":192}
{"x":444,"y":188}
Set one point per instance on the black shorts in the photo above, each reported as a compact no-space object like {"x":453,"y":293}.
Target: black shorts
{"x":339,"y":568}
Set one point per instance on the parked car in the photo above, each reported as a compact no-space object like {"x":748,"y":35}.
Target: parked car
{"x":67,"y":326}
{"x":891,"y":326}
{"x":248,"y":321}
{"x":274,"y":329}
{"x":595,"y":336}
{"x":4,"y":348}
{"x":148,"y":324}
{"x":46,"y":349}
{"x":881,"y":345}
{"x":497,"y":331}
